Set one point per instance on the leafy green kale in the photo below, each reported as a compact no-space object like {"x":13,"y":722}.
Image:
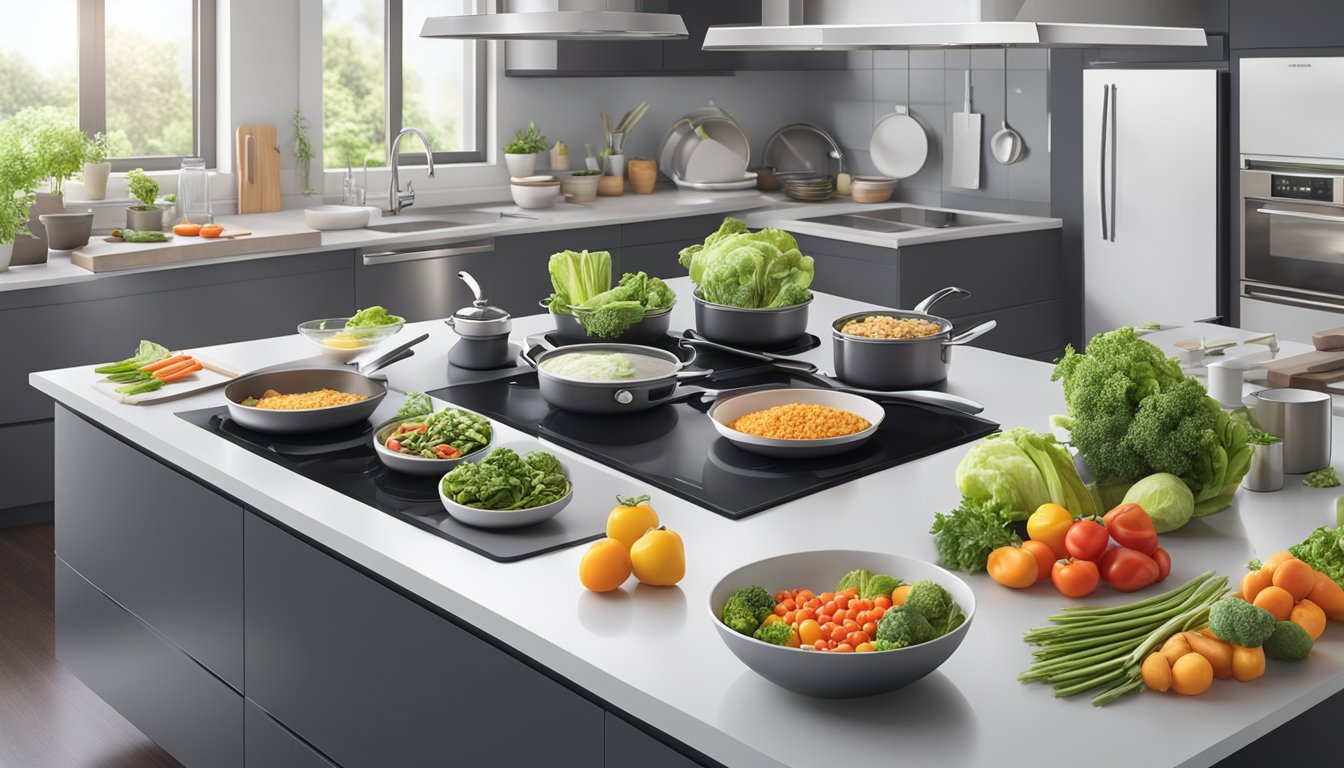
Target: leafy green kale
{"x":746,"y":608}
{"x":966,"y":535}
{"x":1322,"y":478}
{"x":1133,"y":413}
{"x":1323,"y":550}
{"x":504,"y":480}
{"x":755,"y":270}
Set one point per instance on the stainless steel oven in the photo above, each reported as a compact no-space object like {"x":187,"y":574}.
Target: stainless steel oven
{"x":1292,"y":243}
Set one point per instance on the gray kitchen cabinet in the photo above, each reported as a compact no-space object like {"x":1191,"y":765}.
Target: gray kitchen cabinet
{"x":176,"y":563}
{"x":159,"y":689}
{"x":1285,"y":24}
{"x":422,"y":283}
{"x":27,"y":455}
{"x":856,"y":279}
{"x":268,"y":744}
{"x":653,"y":246}
{"x":373,"y":679}
{"x":1028,"y":330}
{"x":658,"y":260}
{"x":629,"y":747}
{"x":521,"y":275}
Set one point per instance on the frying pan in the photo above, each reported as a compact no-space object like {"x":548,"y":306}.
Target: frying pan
{"x":295,"y":380}
{"x":604,"y":398}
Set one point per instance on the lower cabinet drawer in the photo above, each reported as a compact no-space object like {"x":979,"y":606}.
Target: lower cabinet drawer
{"x":268,"y":744}
{"x":27,"y":456}
{"x":170,"y":698}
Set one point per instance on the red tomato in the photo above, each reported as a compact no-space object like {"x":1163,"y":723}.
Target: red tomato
{"x":1163,"y":560}
{"x":1045,"y":557}
{"x":393,"y":445}
{"x":1128,"y":570}
{"x":1086,"y":540}
{"x":1075,"y":578}
{"x":1131,"y":527}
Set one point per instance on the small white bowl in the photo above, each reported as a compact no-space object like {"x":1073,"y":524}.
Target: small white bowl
{"x":535,"y":195}
{"x":419,"y":465}
{"x":501,"y":518}
{"x":729,"y":409}
{"x":334,"y":217}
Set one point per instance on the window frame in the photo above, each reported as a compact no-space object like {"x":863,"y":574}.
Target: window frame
{"x":92,"y":90}
{"x":393,"y":73}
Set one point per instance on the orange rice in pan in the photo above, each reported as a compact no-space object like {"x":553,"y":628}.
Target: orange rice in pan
{"x":800,"y":421}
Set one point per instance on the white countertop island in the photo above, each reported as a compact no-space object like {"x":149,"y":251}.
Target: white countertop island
{"x":653,"y":652}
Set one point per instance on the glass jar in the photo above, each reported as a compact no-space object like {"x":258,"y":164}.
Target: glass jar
{"x":193,"y":192}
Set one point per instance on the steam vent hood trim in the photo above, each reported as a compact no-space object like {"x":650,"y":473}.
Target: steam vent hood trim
{"x":557,"y":25}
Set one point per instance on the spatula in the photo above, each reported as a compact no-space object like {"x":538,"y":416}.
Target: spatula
{"x":966,"y":132}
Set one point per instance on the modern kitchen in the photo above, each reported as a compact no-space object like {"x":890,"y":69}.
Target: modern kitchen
{"x":401,"y":383}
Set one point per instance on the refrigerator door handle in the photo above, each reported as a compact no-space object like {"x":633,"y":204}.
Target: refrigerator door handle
{"x":1101,"y":154}
{"x":1115,"y":141}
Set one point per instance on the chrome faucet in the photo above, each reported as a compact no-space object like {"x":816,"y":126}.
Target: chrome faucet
{"x":397,"y":198}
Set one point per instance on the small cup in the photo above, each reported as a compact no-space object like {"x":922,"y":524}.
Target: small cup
{"x":1301,"y":418}
{"x":1266,"y":472}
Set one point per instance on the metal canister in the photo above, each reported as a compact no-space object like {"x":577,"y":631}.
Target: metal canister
{"x":1301,"y":418}
{"x":1266,"y":472}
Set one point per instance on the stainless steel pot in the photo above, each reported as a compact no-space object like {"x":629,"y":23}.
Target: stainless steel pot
{"x":651,"y":328}
{"x":750,"y":328}
{"x":607,"y":398}
{"x":900,"y":363}
{"x":483,"y":331}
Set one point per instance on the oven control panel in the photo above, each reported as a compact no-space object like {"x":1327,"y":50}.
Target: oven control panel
{"x":1302,"y":187}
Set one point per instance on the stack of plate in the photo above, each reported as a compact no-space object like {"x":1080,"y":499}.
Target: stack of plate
{"x":682,"y":141}
{"x":810,"y":189}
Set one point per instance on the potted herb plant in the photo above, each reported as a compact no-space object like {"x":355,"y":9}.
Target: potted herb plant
{"x":145,"y":217}
{"x":520,"y":154}
{"x":303,"y":152}
{"x":55,"y":146}
{"x":96,"y":167}
{"x":18,"y":179}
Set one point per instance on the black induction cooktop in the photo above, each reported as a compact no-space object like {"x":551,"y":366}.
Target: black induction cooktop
{"x":674,"y":447}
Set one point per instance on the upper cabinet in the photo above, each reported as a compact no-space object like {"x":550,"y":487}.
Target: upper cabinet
{"x":569,"y":58}
{"x":1285,"y":24}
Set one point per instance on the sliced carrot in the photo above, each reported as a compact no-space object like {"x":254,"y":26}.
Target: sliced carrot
{"x":182,"y":366}
{"x":165,"y":362}
{"x":181,"y":374}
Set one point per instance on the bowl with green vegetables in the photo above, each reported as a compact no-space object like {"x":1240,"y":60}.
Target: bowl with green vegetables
{"x":587,"y":308}
{"x":515,"y":485}
{"x":432,"y":444}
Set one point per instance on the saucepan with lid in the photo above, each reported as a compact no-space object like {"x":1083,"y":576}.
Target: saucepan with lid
{"x":899,"y":349}
{"x":483,"y":332}
{"x":608,"y":379}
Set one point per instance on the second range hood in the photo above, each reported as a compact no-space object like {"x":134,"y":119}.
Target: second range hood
{"x":843,"y":25}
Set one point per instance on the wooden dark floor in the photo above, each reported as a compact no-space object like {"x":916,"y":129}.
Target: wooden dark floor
{"x":48,"y":718}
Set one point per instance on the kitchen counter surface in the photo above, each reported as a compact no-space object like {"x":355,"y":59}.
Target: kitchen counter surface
{"x":505,"y":219}
{"x":791,"y":217}
{"x":653,"y":653}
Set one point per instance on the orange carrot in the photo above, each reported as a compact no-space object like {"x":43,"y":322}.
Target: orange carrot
{"x":175,"y":368}
{"x":165,"y":362}
{"x":181,"y":374}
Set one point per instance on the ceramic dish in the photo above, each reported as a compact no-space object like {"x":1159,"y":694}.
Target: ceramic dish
{"x":729,"y":409}
{"x":418,"y":465}
{"x":838,"y":675}
{"x":513,"y":518}
{"x":335,"y":217}
{"x":748,"y":181}
{"x":535,"y":194}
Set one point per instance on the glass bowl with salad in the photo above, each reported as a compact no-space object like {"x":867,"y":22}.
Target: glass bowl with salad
{"x":345,"y":338}
{"x":432,"y":444}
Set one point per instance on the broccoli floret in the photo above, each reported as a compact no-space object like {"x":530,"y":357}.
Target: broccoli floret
{"x":936,"y":605}
{"x":778,"y":633}
{"x":1290,"y":642}
{"x":902,"y":626}
{"x":879,"y":584}
{"x":610,"y":320}
{"x":1240,"y":623}
{"x":747,"y":608}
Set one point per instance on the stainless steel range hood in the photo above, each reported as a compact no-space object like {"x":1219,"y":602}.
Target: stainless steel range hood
{"x":831,"y":25}
{"x":559,"y":20}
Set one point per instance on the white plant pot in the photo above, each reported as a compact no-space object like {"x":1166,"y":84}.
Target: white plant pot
{"x":6,"y":253}
{"x":521,"y":165}
{"x":613,"y":165}
{"x":95,"y":180}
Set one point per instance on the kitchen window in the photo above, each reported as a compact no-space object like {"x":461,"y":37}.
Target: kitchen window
{"x":140,"y":71}
{"x":379,"y":76}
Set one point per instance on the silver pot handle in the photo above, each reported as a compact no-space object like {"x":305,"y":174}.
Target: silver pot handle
{"x":972,"y":334}
{"x":931,"y":397}
{"x":472,"y":284}
{"x":924,"y":306}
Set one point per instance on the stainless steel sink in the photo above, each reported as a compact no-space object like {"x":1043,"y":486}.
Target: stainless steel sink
{"x":904,"y":219}
{"x":437,"y":218}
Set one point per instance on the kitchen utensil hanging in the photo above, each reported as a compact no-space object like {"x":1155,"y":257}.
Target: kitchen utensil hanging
{"x":1006,"y":144}
{"x":899,"y":145}
{"x":966,"y":134}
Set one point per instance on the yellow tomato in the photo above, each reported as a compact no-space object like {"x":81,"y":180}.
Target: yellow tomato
{"x":659,"y":558}
{"x":631,"y":519}
{"x":605,"y":566}
{"x":1049,"y":524}
{"x":899,"y":594}
{"x":1012,"y":567}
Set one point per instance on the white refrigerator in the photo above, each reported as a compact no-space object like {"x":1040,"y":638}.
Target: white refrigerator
{"x":1151,"y":193}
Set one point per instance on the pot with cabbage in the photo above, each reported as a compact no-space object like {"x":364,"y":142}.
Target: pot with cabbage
{"x":608,"y":379}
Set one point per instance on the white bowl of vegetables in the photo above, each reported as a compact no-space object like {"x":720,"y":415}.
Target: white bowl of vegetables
{"x":482,"y":494}
{"x":432,"y":444}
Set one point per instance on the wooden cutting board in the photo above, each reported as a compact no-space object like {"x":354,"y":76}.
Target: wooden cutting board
{"x":1309,"y":362}
{"x":99,"y":256}
{"x":1331,"y":338}
{"x":1317,"y":381}
{"x":258,"y":169}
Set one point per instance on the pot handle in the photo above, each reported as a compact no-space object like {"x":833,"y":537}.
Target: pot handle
{"x":937,"y":296}
{"x":535,"y":341}
{"x":972,"y":334}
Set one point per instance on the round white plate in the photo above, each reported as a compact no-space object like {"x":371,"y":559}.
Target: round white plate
{"x":899,"y":145}
{"x":727,"y":410}
{"x":748,"y":181}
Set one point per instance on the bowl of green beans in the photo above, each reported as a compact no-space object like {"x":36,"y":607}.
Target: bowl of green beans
{"x":433,"y":444}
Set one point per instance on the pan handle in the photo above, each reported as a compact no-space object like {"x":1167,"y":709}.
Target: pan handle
{"x":391,"y":356}
{"x":924,"y":306}
{"x":972,"y":334}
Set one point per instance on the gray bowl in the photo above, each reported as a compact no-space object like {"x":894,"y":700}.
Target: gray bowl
{"x":837,"y":675}
{"x":750,"y":328}
{"x":67,"y":231}
{"x":418,"y":465}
